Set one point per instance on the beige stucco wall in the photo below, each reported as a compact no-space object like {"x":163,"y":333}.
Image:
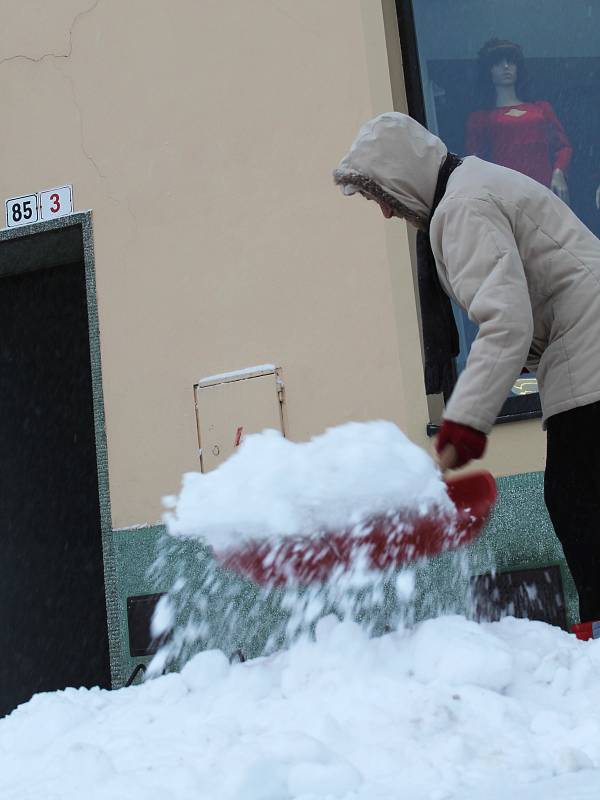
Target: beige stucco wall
{"x":203,"y":135}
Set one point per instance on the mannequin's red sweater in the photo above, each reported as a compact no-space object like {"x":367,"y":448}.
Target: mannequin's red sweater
{"x":533,"y":143}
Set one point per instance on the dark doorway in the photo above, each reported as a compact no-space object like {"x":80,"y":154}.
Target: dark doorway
{"x":53,"y":631}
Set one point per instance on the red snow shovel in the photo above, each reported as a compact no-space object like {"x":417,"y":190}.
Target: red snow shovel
{"x":382,"y":542}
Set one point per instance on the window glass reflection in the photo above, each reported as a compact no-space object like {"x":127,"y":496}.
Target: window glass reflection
{"x":517,"y":84}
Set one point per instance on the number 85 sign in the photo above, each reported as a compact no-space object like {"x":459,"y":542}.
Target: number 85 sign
{"x":41,"y":206}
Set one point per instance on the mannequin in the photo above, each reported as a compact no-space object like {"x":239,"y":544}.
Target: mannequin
{"x":511,"y":131}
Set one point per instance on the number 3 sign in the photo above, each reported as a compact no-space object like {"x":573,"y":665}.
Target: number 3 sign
{"x":56,"y":202}
{"x":45,"y":205}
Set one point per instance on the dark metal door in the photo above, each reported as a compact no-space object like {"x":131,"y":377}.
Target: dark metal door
{"x":53,"y":629}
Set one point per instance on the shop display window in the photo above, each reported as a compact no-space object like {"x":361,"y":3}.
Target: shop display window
{"x":516,"y":83}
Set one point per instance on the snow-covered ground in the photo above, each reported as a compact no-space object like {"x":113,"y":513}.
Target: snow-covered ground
{"x":449,"y":709}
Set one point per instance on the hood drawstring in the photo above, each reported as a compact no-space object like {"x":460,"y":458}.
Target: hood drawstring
{"x":440,"y":336}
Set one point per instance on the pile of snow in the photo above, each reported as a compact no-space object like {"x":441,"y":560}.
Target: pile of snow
{"x":273,"y":487}
{"x":450,"y":710}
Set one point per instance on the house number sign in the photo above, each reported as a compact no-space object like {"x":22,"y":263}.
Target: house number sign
{"x":41,"y":206}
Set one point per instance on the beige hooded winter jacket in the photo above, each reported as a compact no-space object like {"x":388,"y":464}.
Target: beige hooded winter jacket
{"x":513,"y":255}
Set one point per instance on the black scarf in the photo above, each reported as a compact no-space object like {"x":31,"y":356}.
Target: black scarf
{"x":440,"y":336}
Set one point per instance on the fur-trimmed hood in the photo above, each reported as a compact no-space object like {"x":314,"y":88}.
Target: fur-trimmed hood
{"x":395,"y":159}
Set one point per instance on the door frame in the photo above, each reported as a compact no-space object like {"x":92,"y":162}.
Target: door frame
{"x":66,"y":240}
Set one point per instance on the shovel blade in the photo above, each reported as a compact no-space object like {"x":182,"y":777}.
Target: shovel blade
{"x":382,"y":542}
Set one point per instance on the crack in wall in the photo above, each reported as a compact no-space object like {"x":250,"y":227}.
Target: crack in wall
{"x":116,"y":201}
{"x":69,"y":52}
{"x":85,"y":152}
{"x":65,"y":56}
{"x":37,"y":60}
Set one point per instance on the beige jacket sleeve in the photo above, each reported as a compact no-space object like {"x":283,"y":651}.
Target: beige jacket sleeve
{"x":478,"y":252}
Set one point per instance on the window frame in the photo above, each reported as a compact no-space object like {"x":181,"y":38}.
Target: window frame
{"x":515,"y":407}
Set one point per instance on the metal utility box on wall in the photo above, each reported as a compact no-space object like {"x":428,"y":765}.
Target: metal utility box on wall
{"x":234,"y":404}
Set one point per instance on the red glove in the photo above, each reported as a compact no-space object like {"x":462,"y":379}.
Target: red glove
{"x":468,"y":442}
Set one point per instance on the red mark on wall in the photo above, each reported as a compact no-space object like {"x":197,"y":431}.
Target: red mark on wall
{"x":238,"y":436}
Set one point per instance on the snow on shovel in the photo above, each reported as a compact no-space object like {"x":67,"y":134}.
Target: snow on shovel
{"x":389,"y":540}
{"x":360,"y":495}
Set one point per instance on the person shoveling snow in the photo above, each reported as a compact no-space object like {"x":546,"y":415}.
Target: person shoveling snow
{"x":527,"y":272}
